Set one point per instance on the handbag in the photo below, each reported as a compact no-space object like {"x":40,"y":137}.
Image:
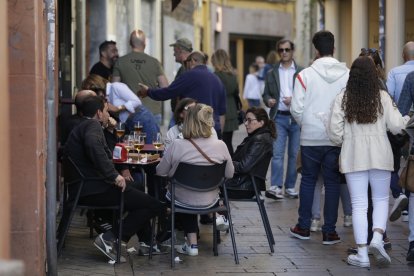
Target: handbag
{"x":407,"y":175}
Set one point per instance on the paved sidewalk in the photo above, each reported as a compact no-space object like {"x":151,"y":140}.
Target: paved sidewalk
{"x":291,"y":257}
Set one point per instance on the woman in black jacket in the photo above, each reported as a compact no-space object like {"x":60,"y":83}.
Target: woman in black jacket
{"x":253,"y":155}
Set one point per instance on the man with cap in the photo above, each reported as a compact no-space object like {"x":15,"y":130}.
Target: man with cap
{"x":182,"y":49}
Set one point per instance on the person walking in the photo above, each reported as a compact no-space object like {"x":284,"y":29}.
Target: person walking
{"x":315,"y":89}
{"x":277,"y":96}
{"x":360,"y":118}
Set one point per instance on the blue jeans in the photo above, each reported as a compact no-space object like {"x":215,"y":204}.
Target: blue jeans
{"x":287,"y":129}
{"x":148,"y":121}
{"x":315,"y":159}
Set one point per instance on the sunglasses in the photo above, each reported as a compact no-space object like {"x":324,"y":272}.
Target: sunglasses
{"x":281,"y":50}
{"x":369,"y":50}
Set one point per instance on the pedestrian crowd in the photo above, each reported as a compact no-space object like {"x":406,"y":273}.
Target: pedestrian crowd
{"x":341,"y":129}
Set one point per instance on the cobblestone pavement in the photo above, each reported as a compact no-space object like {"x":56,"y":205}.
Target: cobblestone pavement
{"x":291,"y":257}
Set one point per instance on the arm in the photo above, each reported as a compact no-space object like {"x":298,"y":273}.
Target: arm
{"x":162,"y":81}
{"x":394,"y":120}
{"x":122,"y":91}
{"x":298,"y":99}
{"x":268,"y":97}
{"x":391,"y":84}
{"x":337,"y":123}
{"x":254,"y":154}
{"x":229,"y":171}
{"x":165,"y":165}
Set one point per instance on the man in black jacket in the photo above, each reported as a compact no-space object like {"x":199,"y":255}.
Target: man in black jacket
{"x":87,"y":146}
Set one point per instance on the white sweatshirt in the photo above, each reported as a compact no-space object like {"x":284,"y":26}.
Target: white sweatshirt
{"x":314,"y":92}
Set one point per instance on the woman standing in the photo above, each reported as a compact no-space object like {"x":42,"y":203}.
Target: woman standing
{"x":361,"y":116}
{"x":253,"y":86}
{"x":224,"y":70}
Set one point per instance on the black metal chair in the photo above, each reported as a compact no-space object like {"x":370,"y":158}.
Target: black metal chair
{"x":260,"y":202}
{"x":74,"y":176}
{"x":201,"y":178}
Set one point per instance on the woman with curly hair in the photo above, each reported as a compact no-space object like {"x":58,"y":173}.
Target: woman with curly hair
{"x":361,"y":116}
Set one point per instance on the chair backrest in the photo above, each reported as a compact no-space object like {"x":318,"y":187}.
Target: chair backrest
{"x":198,"y":177}
{"x":71,"y":171}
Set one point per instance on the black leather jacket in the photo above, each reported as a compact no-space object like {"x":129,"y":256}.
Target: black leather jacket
{"x":252,"y":156}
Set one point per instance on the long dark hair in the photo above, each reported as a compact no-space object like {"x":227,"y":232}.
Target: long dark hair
{"x":362,"y":98}
{"x":261,"y":115}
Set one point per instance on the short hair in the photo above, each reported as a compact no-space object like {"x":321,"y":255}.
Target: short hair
{"x":91,"y":105}
{"x":180,"y":108}
{"x":105,"y":45}
{"x":137,"y":38}
{"x":198,"y":122}
{"x":324,"y":42}
{"x":283,"y":41}
{"x":80,"y":98}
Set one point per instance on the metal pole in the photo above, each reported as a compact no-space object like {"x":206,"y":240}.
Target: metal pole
{"x":50,"y":10}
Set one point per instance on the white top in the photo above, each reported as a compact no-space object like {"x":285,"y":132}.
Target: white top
{"x":286,"y":84}
{"x":252,"y":88}
{"x":118,"y":93}
{"x":313,"y":97}
{"x":366,"y":146}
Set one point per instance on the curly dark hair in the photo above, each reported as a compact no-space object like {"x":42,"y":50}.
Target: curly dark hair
{"x":362,"y":98}
{"x":261,"y":115}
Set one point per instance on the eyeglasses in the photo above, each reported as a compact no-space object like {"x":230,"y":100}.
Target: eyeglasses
{"x":281,"y":50}
{"x":369,"y":50}
{"x":249,"y":120}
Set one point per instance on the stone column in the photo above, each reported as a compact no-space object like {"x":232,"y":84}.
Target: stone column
{"x":360,"y":19}
{"x":303,"y":33}
{"x":332,"y":21}
{"x":394,"y":32}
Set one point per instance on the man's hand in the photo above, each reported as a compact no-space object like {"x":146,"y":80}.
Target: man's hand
{"x":111,"y":125}
{"x":143,"y":91}
{"x":120,"y":182}
{"x":287,"y":100}
{"x":127,"y":175}
{"x":271,"y":102}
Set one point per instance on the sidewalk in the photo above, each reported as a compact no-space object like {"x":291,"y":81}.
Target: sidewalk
{"x":291,"y":257}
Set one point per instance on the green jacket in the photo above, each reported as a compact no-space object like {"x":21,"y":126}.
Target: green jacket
{"x":272,"y":87}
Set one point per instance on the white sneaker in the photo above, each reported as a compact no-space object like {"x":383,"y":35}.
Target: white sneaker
{"x":222,"y":224}
{"x":358,"y":260}
{"x":399,"y":205}
{"x":315,"y":225}
{"x":347,"y":221}
{"x":404,"y":216}
{"x":291,"y":193}
{"x":380,"y":255}
{"x":274,"y":192}
{"x":190,"y":250}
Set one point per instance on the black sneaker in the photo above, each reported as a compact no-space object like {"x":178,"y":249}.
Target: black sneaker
{"x":330,"y":238}
{"x":109,"y":248}
{"x":410,"y":253}
{"x":300,"y":233}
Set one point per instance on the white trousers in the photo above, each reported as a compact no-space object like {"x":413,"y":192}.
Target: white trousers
{"x":358,"y":190}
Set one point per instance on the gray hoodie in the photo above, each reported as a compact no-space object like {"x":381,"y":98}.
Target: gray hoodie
{"x":314,"y":92}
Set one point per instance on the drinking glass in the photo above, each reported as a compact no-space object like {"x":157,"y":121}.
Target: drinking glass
{"x":138,"y":127}
{"x":157,"y":141}
{"x":138,"y":143}
{"x":120,"y":130}
{"x":129,"y":143}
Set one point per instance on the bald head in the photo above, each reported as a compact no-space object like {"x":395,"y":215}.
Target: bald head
{"x":408,"y":51}
{"x":80,"y":98}
{"x":137,"y":40}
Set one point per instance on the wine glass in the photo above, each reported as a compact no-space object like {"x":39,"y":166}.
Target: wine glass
{"x":120,"y":130}
{"x":157,"y":141}
{"x":138,"y":127}
{"x":138,"y":143}
{"x":129,"y":143}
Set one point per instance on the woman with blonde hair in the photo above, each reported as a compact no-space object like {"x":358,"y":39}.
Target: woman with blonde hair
{"x":197,"y":127}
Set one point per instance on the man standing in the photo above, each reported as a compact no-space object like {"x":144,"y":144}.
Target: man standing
{"x":138,"y":67}
{"x":277,"y":96}
{"x":108,"y":54}
{"x":182,"y":49}
{"x":395,"y":81}
{"x":87,"y":147}
{"x":404,"y":105}
{"x":315,"y":89}
{"x":199,"y":84}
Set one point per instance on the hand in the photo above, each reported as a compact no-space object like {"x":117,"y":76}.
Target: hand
{"x":287,"y":100}
{"x":120,"y":182}
{"x":271,"y":102}
{"x":127,"y":175}
{"x":143,"y":91}
{"x":111,"y":124}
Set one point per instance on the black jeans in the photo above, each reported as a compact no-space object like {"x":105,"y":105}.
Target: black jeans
{"x":140,"y":207}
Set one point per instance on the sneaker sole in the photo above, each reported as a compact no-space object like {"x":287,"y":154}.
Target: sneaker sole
{"x":359,"y":264}
{"x":298,"y":236}
{"x":331,"y":242}
{"x":381,"y":257}
{"x":291,"y":196}
{"x":272,"y":196}
{"x":396,"y":214}
{"x":122,"y":259}
{"x":181,"y":251}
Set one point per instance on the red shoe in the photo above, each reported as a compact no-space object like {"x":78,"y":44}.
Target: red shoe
{"x":302,"y":234}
